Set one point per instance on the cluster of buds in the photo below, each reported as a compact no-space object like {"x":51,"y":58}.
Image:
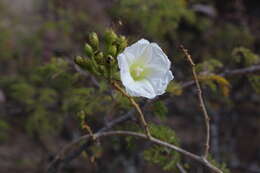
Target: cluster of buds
{"x":102,"y":62}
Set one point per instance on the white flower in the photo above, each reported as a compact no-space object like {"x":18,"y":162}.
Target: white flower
{"x":144,"y":69}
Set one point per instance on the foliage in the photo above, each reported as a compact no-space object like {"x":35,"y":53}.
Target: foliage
{"x":160,"y":110}
{"x":175,"y":88}
{"x":209,"y":66}
{"x":47,"y":86}
{"x":22,"y":92}
{"x":245,"y":56}
{"x":212,"y":80}
{"x":255,"y":82}
{"x":5,"y":44}
{"x":150,"y":15}
{"x":4,"y":127}
{"x":221,"y":166}
{"x":162,"y":156}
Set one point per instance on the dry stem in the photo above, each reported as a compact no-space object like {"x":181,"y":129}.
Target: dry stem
{"x":67,"y":148}
{"x":88,"y":129}
{"x":137,"y":107}
{"x":181,"y":169}
{"x":202,"y":104}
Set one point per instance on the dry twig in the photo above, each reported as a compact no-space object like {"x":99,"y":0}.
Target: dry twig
{"x":254,"y":69}
{"x":202,"y":104}
{"x":143,"y":136}
{"x":181,"y":169}
{"x":88,"y":129}
{"x":137,"y":107}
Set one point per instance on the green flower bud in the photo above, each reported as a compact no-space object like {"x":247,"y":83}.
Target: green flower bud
{"x":84,"y":63}
{"x":101,"y":69}
{"x":110,"y":60}
{"x":88,"y":50}
{"x":79,"y":60}
{"x":122,"y":43}
{"x":110,"y":36}
{"x":99,"y":58}
{"x":93,"y":39}
{"x":112,"y":50}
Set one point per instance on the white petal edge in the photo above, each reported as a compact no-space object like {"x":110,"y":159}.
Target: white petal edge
{"x":136,"y":50}
{"x":159,"y":58}
{"x":141,"y":88}
{"x":160,"y":84}
{"x":143,"y":41}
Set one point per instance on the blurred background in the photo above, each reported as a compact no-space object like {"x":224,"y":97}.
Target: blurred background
{"x":41,"y":92}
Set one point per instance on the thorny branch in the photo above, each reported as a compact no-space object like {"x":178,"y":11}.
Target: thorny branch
{"x":202,"y":104}
{"x":88,"y":129}
{"x":181,"y":169}
{"x":254,"y":69}
{"x":137,"y":107}
{"x":143,"y":136}
{"x":58,"y":161}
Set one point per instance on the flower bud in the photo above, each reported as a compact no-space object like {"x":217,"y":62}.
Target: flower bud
{"x":99,"y":58}
{"x":84,"y":63}
{"x":79,"y":60}
{"x":88,"y":50}
{"x":110,"y":60}
{"x":112,"y":50}
{"x":110,"y":36}
{"x":93,"y":39}
{"x":101,"y":69}
{"x":122,"y":41}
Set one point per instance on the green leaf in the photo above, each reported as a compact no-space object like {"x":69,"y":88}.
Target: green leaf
{"x":160,"y":110}
{"x":255,"y":82}
{"x":174,"y":88}
{"x":164,"y":157}
{"x":246,"y":56}
{"x":222,"y":166}
{"x":4,"y":127}
{"x":23,"y":92}
{"x":209,"y":65}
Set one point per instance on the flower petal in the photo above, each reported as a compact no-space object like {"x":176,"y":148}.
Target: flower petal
{"x":143,"y":41}
{"x":124,"y":70}
{"x":137,"y":50}
{"x":159,"y":58}
{"x":141,"y":88}
{"x":160,"y":81}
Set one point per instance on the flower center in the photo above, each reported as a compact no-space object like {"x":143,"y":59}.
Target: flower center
{"x":138,"y":72}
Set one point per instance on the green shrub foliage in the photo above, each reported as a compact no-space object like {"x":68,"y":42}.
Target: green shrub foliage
{"x":164,"y":157}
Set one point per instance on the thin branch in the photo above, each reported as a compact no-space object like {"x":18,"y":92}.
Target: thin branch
{"x":254,"y":69}
{"x":203,"y":161}
{"x":118,"y":120}
{"x":137,"y":107}
{"x":66,"y":158}
{"x":88,"y":129}
{"x":56,"y":163}
{"x":202,"y":104}
{"x":181,"y":169}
